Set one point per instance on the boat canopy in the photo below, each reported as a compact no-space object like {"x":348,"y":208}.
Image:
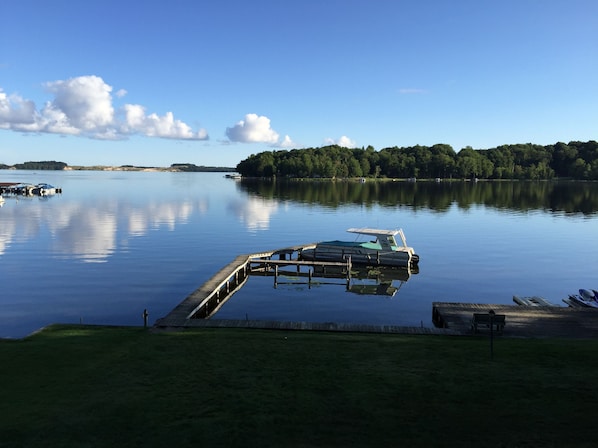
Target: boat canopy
{"x":374,"y":232}
{"x":380,"y":234}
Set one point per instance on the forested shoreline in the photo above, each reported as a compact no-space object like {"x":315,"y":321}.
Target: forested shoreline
{"x":573,"y":160}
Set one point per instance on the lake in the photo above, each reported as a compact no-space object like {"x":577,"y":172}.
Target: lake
{"x":114,"y":243}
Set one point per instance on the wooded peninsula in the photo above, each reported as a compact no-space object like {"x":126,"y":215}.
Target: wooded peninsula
{"x":574,"y":160}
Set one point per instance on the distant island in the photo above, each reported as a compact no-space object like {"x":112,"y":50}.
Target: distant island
{"x":61,"y":166}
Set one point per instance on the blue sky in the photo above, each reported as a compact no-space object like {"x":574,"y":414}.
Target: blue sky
{"x":154,"y":83}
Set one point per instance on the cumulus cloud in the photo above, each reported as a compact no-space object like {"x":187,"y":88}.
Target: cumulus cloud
{"x":288,"y":143}
{"x":85,"y":101}
{"x":344,"y":141}
{"x":136,"y":121}
{"x":83,"y":106}
{"x":253,"y":129}
{"x":15,"y":111}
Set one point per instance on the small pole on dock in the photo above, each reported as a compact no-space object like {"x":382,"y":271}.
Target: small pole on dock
{"x":145,"y":316}
{"x":491,"y":313}
{"x":275,"y":276}
{"x":348,"y":273}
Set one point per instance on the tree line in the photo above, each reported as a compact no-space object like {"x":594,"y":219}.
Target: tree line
{"x":574,"y":160}
{"x":45,"y":165}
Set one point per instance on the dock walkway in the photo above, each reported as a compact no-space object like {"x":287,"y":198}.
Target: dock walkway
{"x":231,"y":278}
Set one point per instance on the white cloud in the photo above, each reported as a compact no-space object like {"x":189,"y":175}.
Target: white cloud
{"x":85,"y":101}
{"x":54,"y":121}
{"x":15,"y":111}
{"x":288,"y":143}
{"x":253,"y":129}
{"x":136,"y":121}
{"x":83,"y":106}
{"x":344,"y":141}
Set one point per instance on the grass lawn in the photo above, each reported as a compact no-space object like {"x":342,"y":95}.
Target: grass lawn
{"x":79,"y":386}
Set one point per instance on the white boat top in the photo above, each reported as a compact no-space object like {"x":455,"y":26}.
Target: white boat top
{"x":384,"y":233}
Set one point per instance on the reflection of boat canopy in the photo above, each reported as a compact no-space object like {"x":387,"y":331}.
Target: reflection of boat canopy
{"x":384,"y":250}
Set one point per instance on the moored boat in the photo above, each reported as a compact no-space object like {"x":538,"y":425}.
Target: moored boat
{"x":383,"y":251}
{"x":580,"y":301}
{"x":586,"y":294}
{"x":44,"y":189}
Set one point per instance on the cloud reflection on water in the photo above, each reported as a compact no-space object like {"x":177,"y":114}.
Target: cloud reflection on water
{"x":255,"y":212}
{"x":89,"y":232}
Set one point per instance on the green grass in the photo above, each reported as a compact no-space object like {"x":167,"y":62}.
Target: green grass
{"x":77,"y":386}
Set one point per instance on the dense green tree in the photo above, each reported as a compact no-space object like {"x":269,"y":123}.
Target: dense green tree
{"x":578,"y":160}
{"x":46,"y":165}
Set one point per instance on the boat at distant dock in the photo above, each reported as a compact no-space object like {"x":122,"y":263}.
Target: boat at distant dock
{"x":21,"y":189}
{"x":383,"y":251}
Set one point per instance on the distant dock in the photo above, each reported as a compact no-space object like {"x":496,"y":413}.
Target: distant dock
{"x":21,"y":189}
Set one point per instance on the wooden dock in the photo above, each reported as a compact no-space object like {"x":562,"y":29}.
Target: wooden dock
{"x":449,"y":318}
{"x":205,"y":301}
{"x":197,"y":310}
{"x":521,"y":321}
{"x":208,"y":298}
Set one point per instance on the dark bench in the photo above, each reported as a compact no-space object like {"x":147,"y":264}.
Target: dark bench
{"x":483,"y":320}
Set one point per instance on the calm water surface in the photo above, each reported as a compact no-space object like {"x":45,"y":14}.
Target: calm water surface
{"x":116,"y":243}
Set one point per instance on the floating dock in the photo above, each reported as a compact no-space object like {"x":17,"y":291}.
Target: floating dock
{"x":521,"y":321}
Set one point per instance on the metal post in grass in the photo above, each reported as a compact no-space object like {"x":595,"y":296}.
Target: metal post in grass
{"x":145,"y":316}
{"x":491,"y":313}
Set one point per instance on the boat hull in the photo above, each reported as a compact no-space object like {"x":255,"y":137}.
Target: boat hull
{"x":360,"y":256}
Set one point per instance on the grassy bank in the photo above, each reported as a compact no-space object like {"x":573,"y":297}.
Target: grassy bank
{"x":93,"y":386}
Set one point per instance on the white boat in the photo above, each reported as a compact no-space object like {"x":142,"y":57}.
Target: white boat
{"x":383,"y":251}
{"x":586,"y":294}
{"x":580,"y":301}
{"x":44,"y":189}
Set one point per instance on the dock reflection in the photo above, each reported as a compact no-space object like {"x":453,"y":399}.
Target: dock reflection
{"x":361,"y":280}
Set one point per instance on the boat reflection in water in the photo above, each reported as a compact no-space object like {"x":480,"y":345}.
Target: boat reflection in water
{"x":362,"y":280}
{"x":380,"y":281}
